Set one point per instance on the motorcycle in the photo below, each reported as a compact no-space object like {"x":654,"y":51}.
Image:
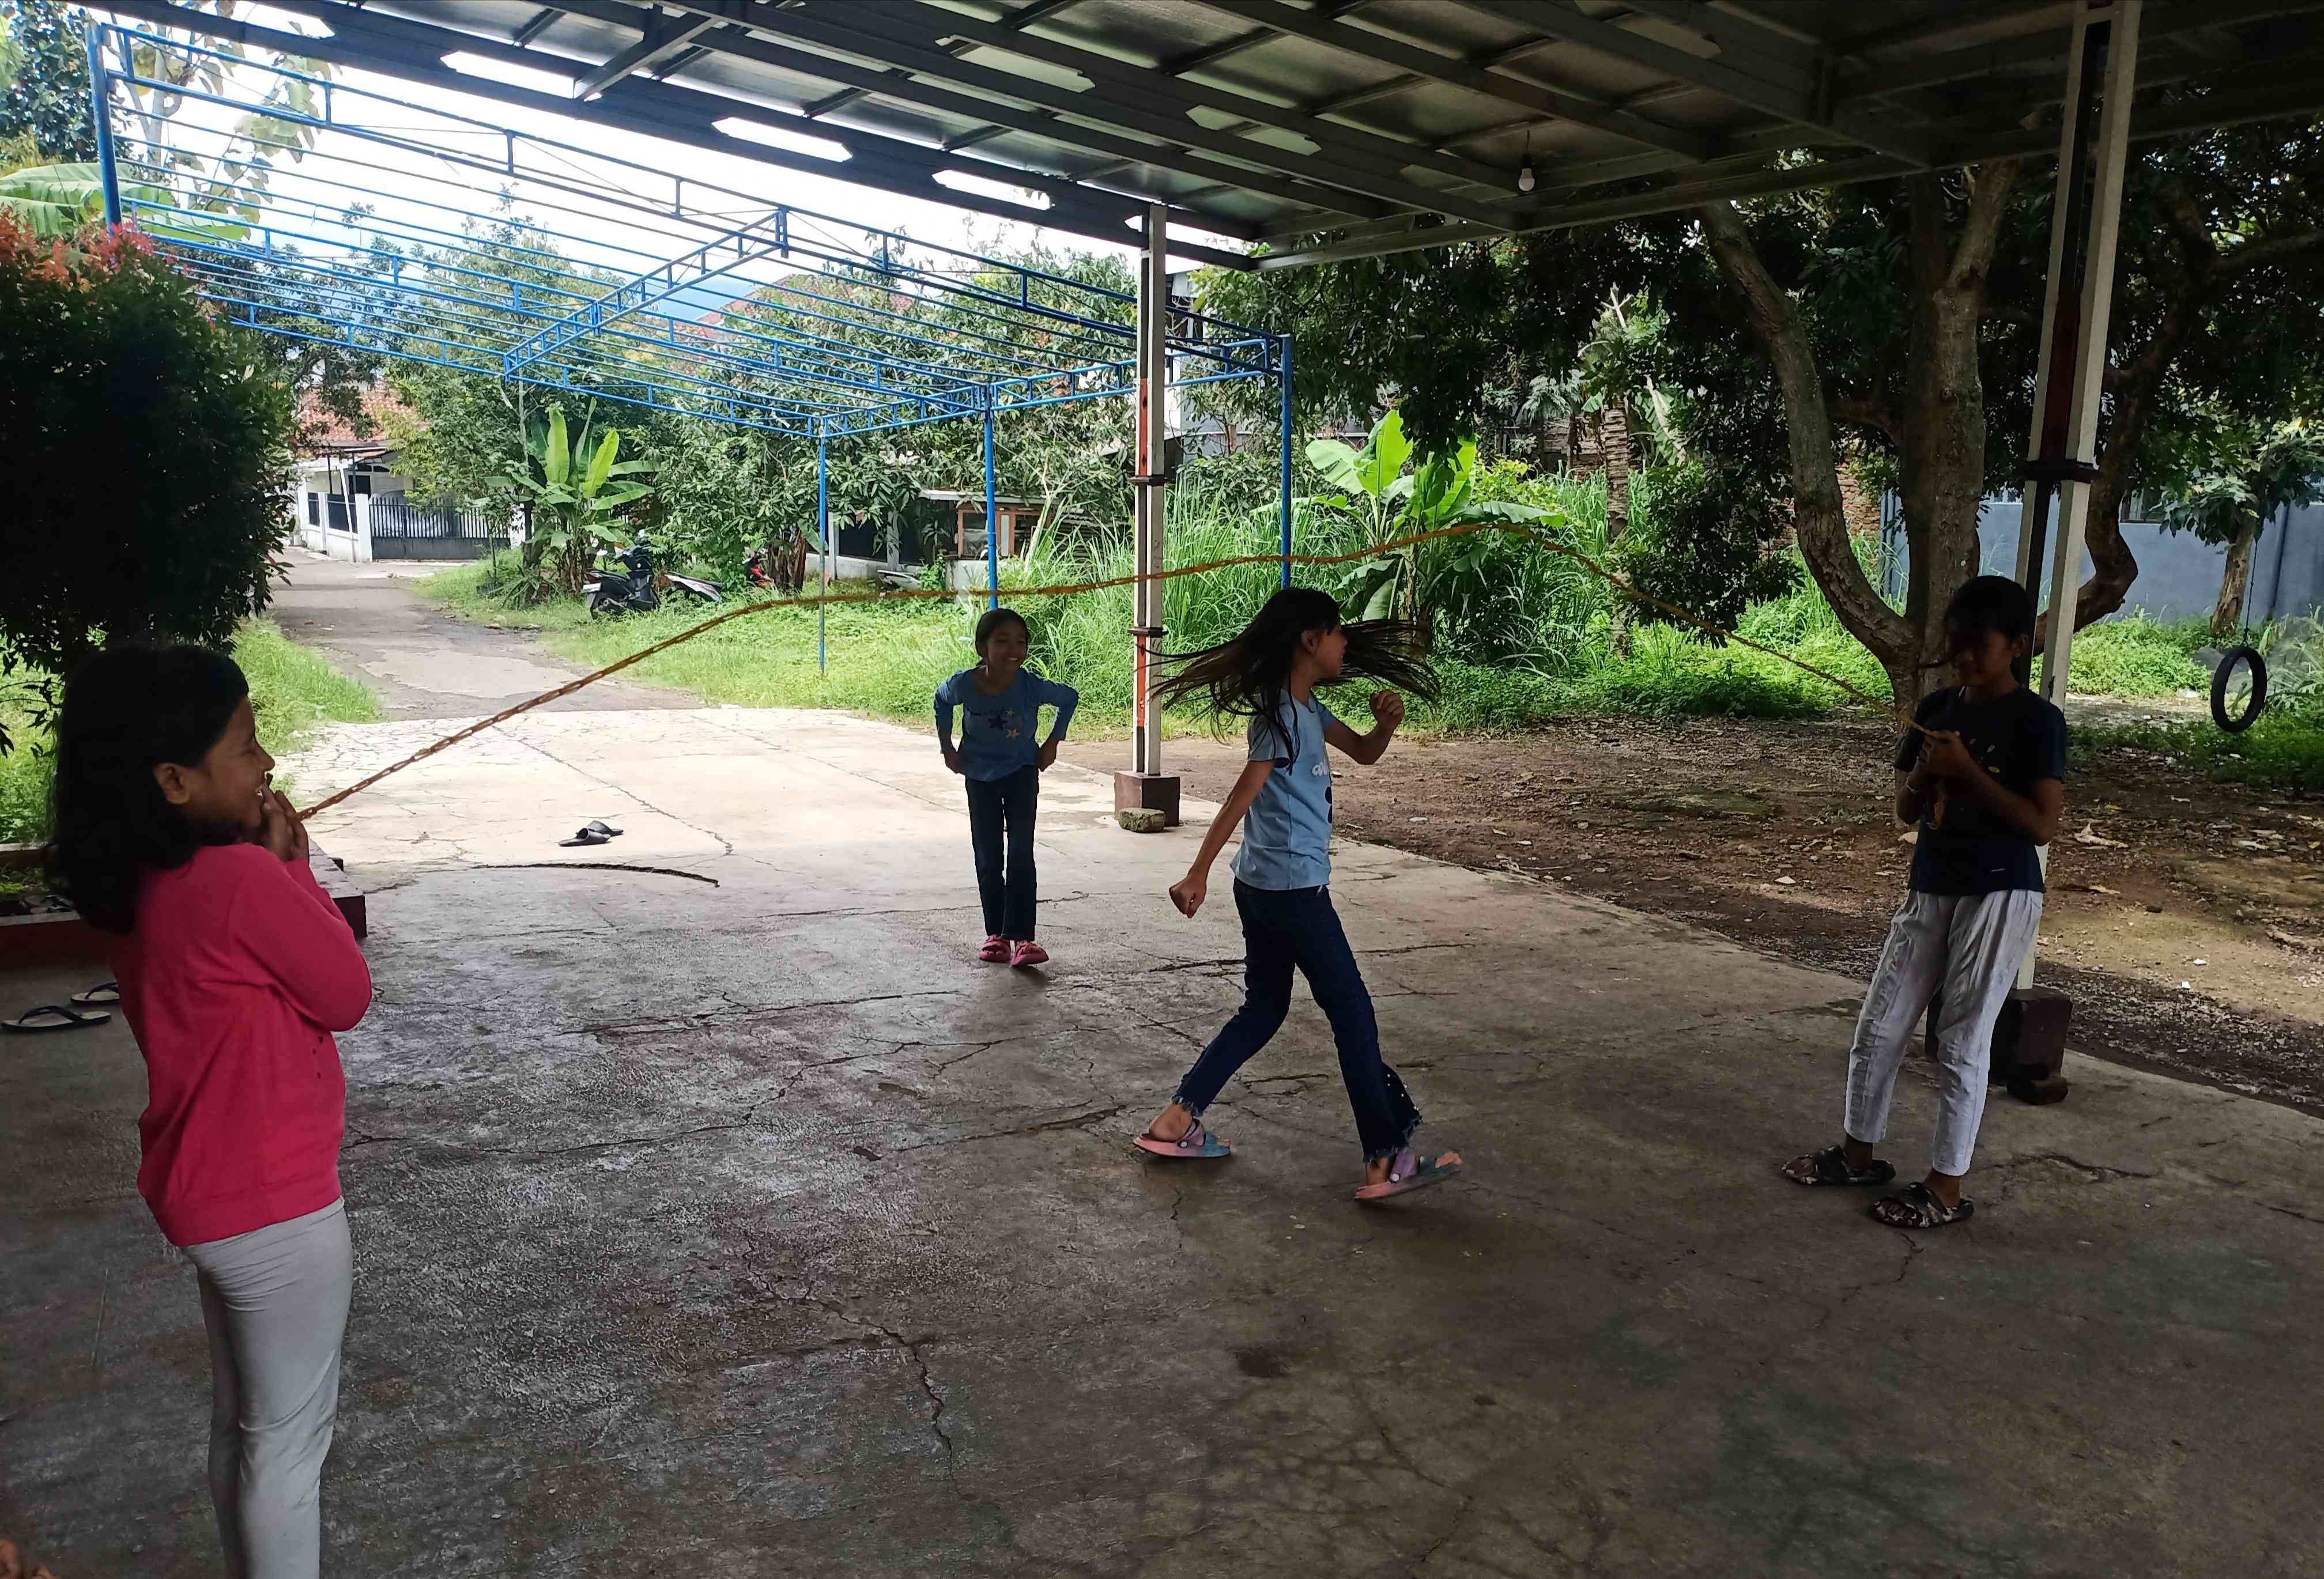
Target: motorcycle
{"x":638,"y":587}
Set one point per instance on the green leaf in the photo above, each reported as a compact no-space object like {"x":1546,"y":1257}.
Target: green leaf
{"x":1337,"y":462}
{"x":1384,"y":455}
{"x":601,"y":464}
{"x":555,"y":459}
{"x":1382,"y":602}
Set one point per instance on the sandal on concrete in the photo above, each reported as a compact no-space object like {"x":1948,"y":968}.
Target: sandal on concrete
{"x":57,"y":1017}
{"x":1830,"y":1167}
{"x":1914,"y":1207}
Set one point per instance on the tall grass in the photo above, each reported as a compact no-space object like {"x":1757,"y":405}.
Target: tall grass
{"x":292,"y":690}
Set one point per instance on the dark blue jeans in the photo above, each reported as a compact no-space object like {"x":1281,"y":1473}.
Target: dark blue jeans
{"x":1009,"y":888}
{"x":1297,"y":927}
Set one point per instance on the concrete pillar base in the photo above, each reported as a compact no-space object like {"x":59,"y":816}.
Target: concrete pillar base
{"x":1149,"y":791}
{"x":2029,"y":1044}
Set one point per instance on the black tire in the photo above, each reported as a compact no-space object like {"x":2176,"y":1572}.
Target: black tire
{"x":2237,"y":722}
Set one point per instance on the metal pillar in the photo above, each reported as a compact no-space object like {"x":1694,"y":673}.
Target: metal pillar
{"x":100,"y":100}
{"x":1145,"y":786}
{"x":2085,"y":218}
{"x":2086,"y":214}
{"x":1283,"y":446}
{"x":991,"y":517}
{"x":822,"y":531}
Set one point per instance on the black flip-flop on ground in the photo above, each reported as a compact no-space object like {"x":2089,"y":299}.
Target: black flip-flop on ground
{"x":591,"y":833}
{"x":1915,"y":1207}
{"x":56,"y":1017}
{"x":108,"y":992}
{"x":1831,"y":1168}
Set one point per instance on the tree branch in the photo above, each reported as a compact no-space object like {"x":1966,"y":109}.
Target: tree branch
{"x":1873,"y":411}
{"x":1991,"y":185}
{"x":1822,"y":526}
{"x":2270,"y":249}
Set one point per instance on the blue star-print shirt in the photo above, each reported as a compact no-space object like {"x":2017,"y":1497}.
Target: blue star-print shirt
{"x":1001,"y":735}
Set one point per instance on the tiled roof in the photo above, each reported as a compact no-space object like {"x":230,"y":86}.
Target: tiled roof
{"x":321,"y":430}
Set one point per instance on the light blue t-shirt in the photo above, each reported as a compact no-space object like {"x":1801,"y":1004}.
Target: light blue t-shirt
{"x":1286,"y":834}
{"x":1001,"y":735}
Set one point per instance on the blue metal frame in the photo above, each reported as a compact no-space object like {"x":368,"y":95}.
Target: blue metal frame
{"x":434,"y":237}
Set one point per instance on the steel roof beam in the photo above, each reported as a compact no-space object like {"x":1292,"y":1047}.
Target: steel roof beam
{"x":1787,"y":94}
{"x":661,"y":38}
{"x":535,"y":25}
{"x":1126,"y":82}
{"x":904,"y":89}
{"x":880,"y":35}
{"x":1455,"y":72}
{"x":373,"y":41}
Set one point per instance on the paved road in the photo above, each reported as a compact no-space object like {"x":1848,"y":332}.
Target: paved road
{"x":424,"y":664}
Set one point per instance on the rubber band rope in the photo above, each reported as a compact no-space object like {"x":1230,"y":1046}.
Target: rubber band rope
{"x":892,"y":595}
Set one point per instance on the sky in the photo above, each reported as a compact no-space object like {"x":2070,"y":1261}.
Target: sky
{"x":922,"y":220}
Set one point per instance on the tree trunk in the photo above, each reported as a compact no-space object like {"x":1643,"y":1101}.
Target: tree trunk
{"x":1820,"y":524}
{"x":2235,"y":580}
{"x":1942,"y":433}
{"x":1614,"y":445}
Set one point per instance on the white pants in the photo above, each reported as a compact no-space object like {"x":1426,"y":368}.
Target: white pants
{"x":275,"y":1301}
{"x":1970,"y":947}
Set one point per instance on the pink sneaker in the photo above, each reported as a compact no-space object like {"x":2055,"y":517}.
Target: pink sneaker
{"x":995,"y":950}
{"x":1029,"y":952}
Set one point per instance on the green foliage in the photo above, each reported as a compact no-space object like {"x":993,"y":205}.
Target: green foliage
{"x":46,"y":99}
{"x":577,"y":489}
{"x":2284,"y":749}
{"x":2138,"y":657}
{"x":1703,"y":538}
{"x":293,"y":689}
{"x":151,"y":459}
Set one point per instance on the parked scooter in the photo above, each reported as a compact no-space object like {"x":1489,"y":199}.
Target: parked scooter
{"x":637,"y":587}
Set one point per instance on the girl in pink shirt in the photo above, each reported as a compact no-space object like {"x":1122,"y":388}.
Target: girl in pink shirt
{"x":235,"y":969}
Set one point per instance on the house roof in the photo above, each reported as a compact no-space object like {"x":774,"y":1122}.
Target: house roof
{"x":322,"y":431}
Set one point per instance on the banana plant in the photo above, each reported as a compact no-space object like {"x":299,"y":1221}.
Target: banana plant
{"x":575,"y":490}
{"x":56,"y":200}
{"x":1390,"y":503}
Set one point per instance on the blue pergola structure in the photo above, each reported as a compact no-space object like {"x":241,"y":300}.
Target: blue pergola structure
{"x":311,"y":209}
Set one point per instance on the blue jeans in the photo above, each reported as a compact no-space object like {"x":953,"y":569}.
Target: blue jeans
{"x":1009,"y":888}
{"x":1283,"y":928}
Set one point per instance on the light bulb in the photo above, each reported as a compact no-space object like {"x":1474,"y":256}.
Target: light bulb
{"x":1524,"y":176}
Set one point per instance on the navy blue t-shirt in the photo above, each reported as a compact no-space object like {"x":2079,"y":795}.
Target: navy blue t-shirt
{"x":2020,"y":738}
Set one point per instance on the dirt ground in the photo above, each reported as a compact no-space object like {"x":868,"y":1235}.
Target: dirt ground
{"x":2185,"y":917}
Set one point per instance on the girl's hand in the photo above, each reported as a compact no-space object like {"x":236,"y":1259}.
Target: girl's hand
{"x":1189,"y":891}
{"x":1048,"y":754}
{"x":1946,"y":756}
{"x":1388,"y":708}
{"x":952,"y":758}
{"x":281,"y":831}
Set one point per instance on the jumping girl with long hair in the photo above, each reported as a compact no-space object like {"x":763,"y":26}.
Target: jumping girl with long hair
{"x":235,"y":969}
{"x":1283,"y":873}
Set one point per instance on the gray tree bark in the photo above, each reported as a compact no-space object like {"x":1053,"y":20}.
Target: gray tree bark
{"x":1940,"y":435}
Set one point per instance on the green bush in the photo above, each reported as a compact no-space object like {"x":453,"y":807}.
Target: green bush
{"x":2138,"y":657}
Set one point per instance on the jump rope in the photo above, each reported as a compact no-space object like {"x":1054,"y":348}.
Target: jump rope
{"x":1397,"y":546}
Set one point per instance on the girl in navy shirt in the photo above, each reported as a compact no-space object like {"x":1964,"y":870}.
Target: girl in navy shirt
{"x":1002,"y":757}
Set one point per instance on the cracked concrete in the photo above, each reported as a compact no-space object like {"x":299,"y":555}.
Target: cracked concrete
{"x":757,"y":1228}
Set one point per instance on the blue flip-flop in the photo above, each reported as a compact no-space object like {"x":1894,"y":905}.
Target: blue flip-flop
{"x":1197,"y":1142}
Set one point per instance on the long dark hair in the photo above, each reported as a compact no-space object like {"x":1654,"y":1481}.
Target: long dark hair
{"x":1247,"y":676}
{"x":993,"y":620}
{"x":126,"y":711}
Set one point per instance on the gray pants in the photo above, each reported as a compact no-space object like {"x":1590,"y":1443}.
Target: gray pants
{"x":1970,"y":947}
{"x":275,"y":1301}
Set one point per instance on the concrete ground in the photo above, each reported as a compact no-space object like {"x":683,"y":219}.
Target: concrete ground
{"x":423,"y":664}
{"x":717,"y":1213}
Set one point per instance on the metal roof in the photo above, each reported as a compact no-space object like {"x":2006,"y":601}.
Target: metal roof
{"x":1333,"y":128}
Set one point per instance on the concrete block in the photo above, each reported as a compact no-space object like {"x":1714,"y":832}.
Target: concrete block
{"x":1142,"y":819}
{"x":1147,"y":792}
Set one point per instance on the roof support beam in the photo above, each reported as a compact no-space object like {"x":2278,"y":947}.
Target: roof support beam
{"x":1452,"y":70}
{"x":662,"y":38}
{"x":1788,"y":94}
{"x":373,"y":41}
{"x":886,"y":34}
{"x":906,"y":86}
{"x":535,"y":25}
{"x":1126,"y":83}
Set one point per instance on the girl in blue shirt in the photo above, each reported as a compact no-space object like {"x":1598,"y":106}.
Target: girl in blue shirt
{"x":1003,"y":757}
{"x":1283,"y":873}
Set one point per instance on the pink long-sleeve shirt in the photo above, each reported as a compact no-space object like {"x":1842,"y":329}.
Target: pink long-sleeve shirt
{"x":238,"y":972}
